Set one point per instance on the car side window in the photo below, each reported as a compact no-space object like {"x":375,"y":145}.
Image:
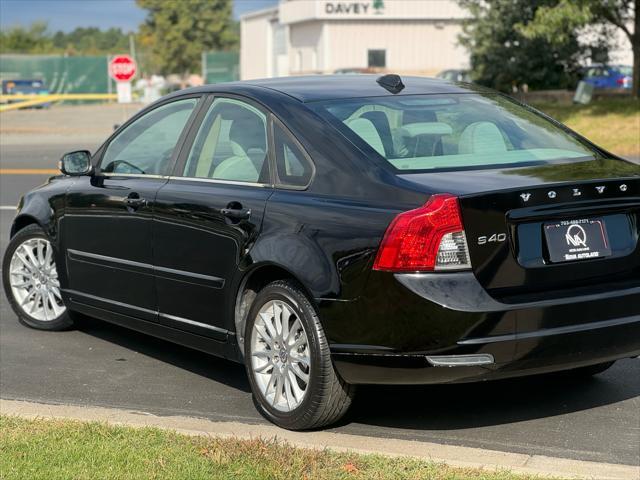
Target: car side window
{"x":293,"y":167}
{"x":231,"y":144}
{"x":146,"y":146}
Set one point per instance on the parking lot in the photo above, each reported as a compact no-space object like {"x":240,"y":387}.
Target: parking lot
{"x":100,"y":364}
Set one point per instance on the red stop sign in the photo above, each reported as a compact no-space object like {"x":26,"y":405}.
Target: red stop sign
{"x":122,"y":68}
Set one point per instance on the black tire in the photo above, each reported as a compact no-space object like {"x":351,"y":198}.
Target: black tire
{"x":591,"y":370}
{"x":328,"y":397}
{"x":62,"y":322}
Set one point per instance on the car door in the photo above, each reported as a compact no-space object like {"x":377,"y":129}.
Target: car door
{"x":209,"y":214}
{"x":107,"y":222}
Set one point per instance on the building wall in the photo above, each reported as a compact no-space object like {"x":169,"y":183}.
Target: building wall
{"x":411,"y":46}
{"x":306,"y":52}
{"x":256,"y":46}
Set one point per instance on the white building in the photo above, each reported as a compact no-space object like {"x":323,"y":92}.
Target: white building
{"x":322,"y":36}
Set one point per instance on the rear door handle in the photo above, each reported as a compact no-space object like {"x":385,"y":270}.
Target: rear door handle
{"x":135,"y":202}
{"x":236,"y":213}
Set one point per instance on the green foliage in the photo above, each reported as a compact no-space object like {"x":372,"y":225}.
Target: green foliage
{"x":59,"y":449}
{"x":33,"y":39}
{"x":176,"y":33}
{"x":37,"y":39}
{"x":503,"y":57}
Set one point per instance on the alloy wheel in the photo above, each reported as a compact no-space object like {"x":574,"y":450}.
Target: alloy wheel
{"x":33,"y":278}
{"x":280,"y":359}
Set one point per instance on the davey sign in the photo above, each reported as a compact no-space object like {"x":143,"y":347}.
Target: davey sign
{"x":122,"y":68}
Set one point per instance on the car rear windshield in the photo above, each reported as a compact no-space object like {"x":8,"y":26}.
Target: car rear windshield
{"x":457,"y":131}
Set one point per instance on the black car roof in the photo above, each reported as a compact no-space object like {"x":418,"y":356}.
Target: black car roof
{"x":311,"y":88}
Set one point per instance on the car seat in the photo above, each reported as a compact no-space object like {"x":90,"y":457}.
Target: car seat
{"x":481,"y":137}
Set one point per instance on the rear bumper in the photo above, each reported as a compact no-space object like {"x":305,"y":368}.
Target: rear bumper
{"x":395,"y":333}
{"x":533,"y":353}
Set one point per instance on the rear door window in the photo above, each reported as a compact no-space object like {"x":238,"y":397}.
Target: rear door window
{"x":293,"y":167}
{"x":231,"y":144}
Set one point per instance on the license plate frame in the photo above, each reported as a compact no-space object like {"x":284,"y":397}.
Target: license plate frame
{"x":574,"y":240}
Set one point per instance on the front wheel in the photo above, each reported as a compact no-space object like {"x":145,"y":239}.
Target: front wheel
{"x":288,"y":361}
{"x":30,"y":278}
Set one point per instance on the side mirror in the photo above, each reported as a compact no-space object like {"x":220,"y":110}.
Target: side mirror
{"x":76,"y":163}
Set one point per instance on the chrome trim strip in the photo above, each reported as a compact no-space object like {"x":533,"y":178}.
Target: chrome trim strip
{"x":470,"y":360}
{"x":76,"y":293}
{"x":216,"y":282}
{"x":223,"y":182}
{"x":194,"y":323}
{"x":546,"y":332}
{"x":137,"y":175}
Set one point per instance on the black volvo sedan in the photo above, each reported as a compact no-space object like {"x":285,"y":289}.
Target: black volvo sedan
{"x":330,"y":231}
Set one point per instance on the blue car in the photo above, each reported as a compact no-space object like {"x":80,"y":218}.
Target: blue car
{"x":608,"y":76}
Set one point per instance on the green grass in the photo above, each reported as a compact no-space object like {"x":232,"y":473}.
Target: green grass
{"x":57,"y":449}
{"x":613,"y":124}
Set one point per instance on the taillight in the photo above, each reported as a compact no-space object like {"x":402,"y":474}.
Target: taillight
{"x":425,"y":239}
{"x":620,"y":80}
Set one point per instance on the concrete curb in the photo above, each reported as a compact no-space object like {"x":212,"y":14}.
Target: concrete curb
{"x":452,"y":455}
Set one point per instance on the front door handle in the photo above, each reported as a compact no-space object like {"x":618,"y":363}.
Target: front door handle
{"x":236,"y":213}
{"x":135,"y":202}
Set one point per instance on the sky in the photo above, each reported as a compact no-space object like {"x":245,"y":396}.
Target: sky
{"x":68,"y":14}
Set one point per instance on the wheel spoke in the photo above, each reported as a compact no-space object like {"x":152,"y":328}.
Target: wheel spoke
{"x":262,"y":354}
{"x":287,"y":390}
{"x":21,"y":285}
{"x":264,"y":335}
{"x":286,"y":317}
{"x":295,"y":368}
{"x":279,"y":385}
{"x":266,"y":319}
{"x":303,"y":359}
{"x":48,"y":257}
{"x":263,"y":369}
{"x":32,"y":258}
{"x":296,"y":391}
{"x":294,"y":330}
{"x":25,"y":300}
{"x":40,"y":253}
{"x":277,"y":319}
{"x":25,"y":261}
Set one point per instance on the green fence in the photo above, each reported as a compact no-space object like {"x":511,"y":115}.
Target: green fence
{"x":61,"y":74}
{"x":220,"y":66}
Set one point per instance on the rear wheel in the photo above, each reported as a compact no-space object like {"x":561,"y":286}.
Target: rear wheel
{"x":30,"y":278}
{"x":288,"y":361}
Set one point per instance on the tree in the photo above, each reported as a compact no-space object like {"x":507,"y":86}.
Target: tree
{"x":502,"y":57}
{"x":34,"y":39}
{"x":177,"y":32}
{"x":569,"y":15}
{"x":81,"y":41}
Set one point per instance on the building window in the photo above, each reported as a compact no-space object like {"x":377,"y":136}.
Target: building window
{"x":377,"y":58}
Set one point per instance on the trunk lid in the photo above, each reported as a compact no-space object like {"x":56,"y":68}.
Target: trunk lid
{"x":549,"y":229}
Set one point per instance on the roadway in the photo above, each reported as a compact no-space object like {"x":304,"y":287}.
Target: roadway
{"x":100,"y":364}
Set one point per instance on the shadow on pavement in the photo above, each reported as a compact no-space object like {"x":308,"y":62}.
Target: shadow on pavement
{"x":462,"y":406}
{"x":208,"y":366}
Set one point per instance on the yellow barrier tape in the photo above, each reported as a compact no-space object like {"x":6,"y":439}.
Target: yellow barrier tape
{"x":28,"y":171}
{"x":33,"y":100}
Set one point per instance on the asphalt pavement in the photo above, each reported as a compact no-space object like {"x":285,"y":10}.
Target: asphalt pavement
{"x":104,"y":365}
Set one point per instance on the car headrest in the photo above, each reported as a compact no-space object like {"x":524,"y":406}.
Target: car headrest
{"x":367,"y":131}
{"x":481,"y":137}
{"x":425,"y":128}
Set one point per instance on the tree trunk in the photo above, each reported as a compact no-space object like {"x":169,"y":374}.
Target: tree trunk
{"x":635,"y":46}
{"x":635,"y":89}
